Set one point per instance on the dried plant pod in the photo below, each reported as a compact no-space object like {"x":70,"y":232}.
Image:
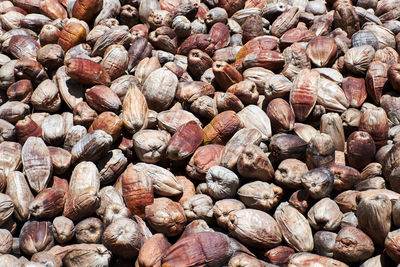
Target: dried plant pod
{"x":322,"y":50}
{"x":72,"y":34}
{"x":254,"y":163}
{"x":79,"y":254}
{"x":325,"y":214}
{"x":360,"y":149}
{"x":331,"y":124}
{"x":10,"y":160}
{"x":48,"y":203}
{"x":285,"y":21}
{"x":82,"y":197}
{"x":222,"y":209}
{"x":307,"y":259}
{"x":320,"y":151}
{"x":171,"y":120}
{"x":46,"y":97}
{"x":222,"y":128}
{"x":303,"y":94}
{"x":202,"y":160}
{"x":295,"y":228}
{"x":6,"y":208}
{"x":391,"y":245}
{"x":318,"y":182}
{"x":137,"y":190}
{"x":36,"y":236}
{"x":358,"y":59}
{"x":166,"y":216}
{"x":281,"y":115}
{"x":70,"y":90}
{"x":20,"y":193}
{"x":373,"y":214}
{"x":355,"y":90}
{"x":352,"y":245}
{"x":346,"y":18}
{"x":63,"y":229}
{"x":247,"y":224}
{"x":331,"y":96}
{"x":374,"y":121}
{"x":89,"y":230}
{"x":153,"y":250}
{"x":284,"y":146}
{"x":289,"y":173}
{"x":345,"y":177}
{"x":260,"y":195}
{"x":324,"y":243}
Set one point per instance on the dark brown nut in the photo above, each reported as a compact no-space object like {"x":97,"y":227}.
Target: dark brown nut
{"x":118,"y":35}
{"x":246,"y":91}
{"x":89,"y":230}
{"x":347,"y":200}
{"x":13,"y":111}
{"x":197,"y":41}
{"x":376,"y":78}
{"x":223,"y":208}
{"x":123,"y":238}
{"x":220,"y":35}
{"x":83,"y":114}
{"x":53,"y":129}
{"x":284,"y":146}
{"x":166,"y":216}
{"x":352,"y":245}
{"x":164,"y":182}
{"x":153,"y":250}
{"x":202,"y":160}
{"x":289,"y":173}
{"x":225,"y":74}
{"x":373,"y":214}
{"x":349,"y":219}
{"x":325,"y":215}
{"x":102,"y":99}
{"x":392,"y":244}
{"x":346,"y":18}
{"x":137,"y":191}
{"x":304,"y":259}
{"x":324,"y":243}
{"x":23,"y":47}
{"x":281,"y":115}
{"x":215,"y":15}
{"x":354,"y":89}
{"x":390,"y":104}
{"x":322,"y":50}
{"x":221,"y":182}
{"x":227,"y":101}
{"x":199,"y":207}
{"x":393,"y":76}
{"x":279,"y":255}
{"x":252,"y":27}
{"x":360,"y":149}
{"x":198,"y":62}
{"x":86,"y":9}
{"x":171,"y":120}
{"x":296,"y":35}
{"x":371,"y":183}
{"x":36,"y":236}
{"x":31,"y":70}
{"x":164,"y":38}
{"x":150,"y":145}
{"x":108,"y":122}
{"x":7,"y":131}
{"x":303,"y":94}
{"x":72,"y":34}
{"x":299,"y":200}
{"x":320,"y":151}
{"x":159,"y":89}
{"x":254,"y":163}
{"x":134,"y":110}
{"x":128,"y":15}
{"x":247,"y":224}
{"x":375,"y":122}
{"x":295,"y":228}
{"x":86,"y":72}
{"x":233,"y":149}
{"x":200,"y":249}
{"x":318,"y":182}
{"x":20,"y":91}
{"x":285,"y":21}
{"x":222,"y":128}
{"x":115,"y":61}
{"x":60,"y":159}
{"x":6,"y":208}
{"x":345,"y":177}
{"x":48,"y":203}
{"x":188,"y":92}
{"x":371,"y":170}
{"x":49,"y":34}
{"x":26,"y":128}
{"x":205,"y":107}
{"x":185,"y":141}
{"x":270,"y":60}
{"x":260,"y":195}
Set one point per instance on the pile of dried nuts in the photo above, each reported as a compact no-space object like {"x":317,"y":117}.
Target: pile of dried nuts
{"x":181,"y":133}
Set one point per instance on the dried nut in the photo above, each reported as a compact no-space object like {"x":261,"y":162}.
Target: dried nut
{"x":171,"y":120}
{"x":185,"y":141}
{"x":86,"y":72}
{"x":102,"y":99}
{"x":13,"y":111}
{"x":19,"y":191}
{"x":325,"y":215}
{"x":318,"y":182}
{"x":74,"y":134}
{"x":63,"y":229}
{"x":223,"y":208}
{"x":91,"y":146}
{"x":199,"y":206}
{"x":36,"y":236}
{"x":222,"y":128}
{"x":254,"y":163}
{"x":150,"y":145}
{"x":6,"y":208}
{"x":289,"y":173}
{"x":247,"y":224}
{"x":37,"y":163}
{"x":358,"y":59}
{"x":72,"y":34}
{"x":279,"y":254}
{"x":303,"y":94}
{"x":48,"y":203}
{"x":246,"y":91}
{"x":375,"y":122}
{"x":77,"y":253}
{"x":285,"y":21}
{"x":166,"y":216}
{"x":349,"y":219}
{"x":202,"y":160}
{"x":320,"y":151}
{"x":295,"y":228}
{"x":123,"y":238}
{"x":153,"y":250}
{"x":281,"y":115}
{"x":53,"y":129}
{"x":235,"y":146}
{"x":221,"y":182}
{"x":324,"y":242}
{"x":345,"y":177}
{"x":260,"y":195}
{"x":82,"y":198}
{"x":20,"y":91}
{"x":137,"y":190}
{"x":304,"y":259}
{"x":322,"y":50}
{"x":134,"y":110}
{"x":89,"y":230}
{"x":352,"y":245}
{"x":354,"y":89}
{"x":227,"y":101}
{"x":26,"y":128}
{"x":331,"y":96}
{"x":331,"y":124}
{"x":284,"y":146}
{"x":46,"y":97}
{"x":373,"y":214}
{"x":254,"y":117}
{"x":7,"y":131}
{"x":360,"y":149}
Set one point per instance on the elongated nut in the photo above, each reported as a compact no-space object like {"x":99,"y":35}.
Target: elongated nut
{"x":324,"y":243}
{"x":72,"y":34}
{"x":331,"y":124}
{"x":91,"y":146}
{"x":153,"y":250}
{"x":281,"y":115}
{"x":360,"y":149}
{"x":225,"y":74}
{"x":260,"y":195}
{"x":86,"y":71}
{"x":222,"y":128}
{"x":325,"y":214}
{"x":202,"y":160}
{"x":36,"y":236}
{"x":320,"y":151}
{"x":48,"y":203}
{"x":254,"y":163}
